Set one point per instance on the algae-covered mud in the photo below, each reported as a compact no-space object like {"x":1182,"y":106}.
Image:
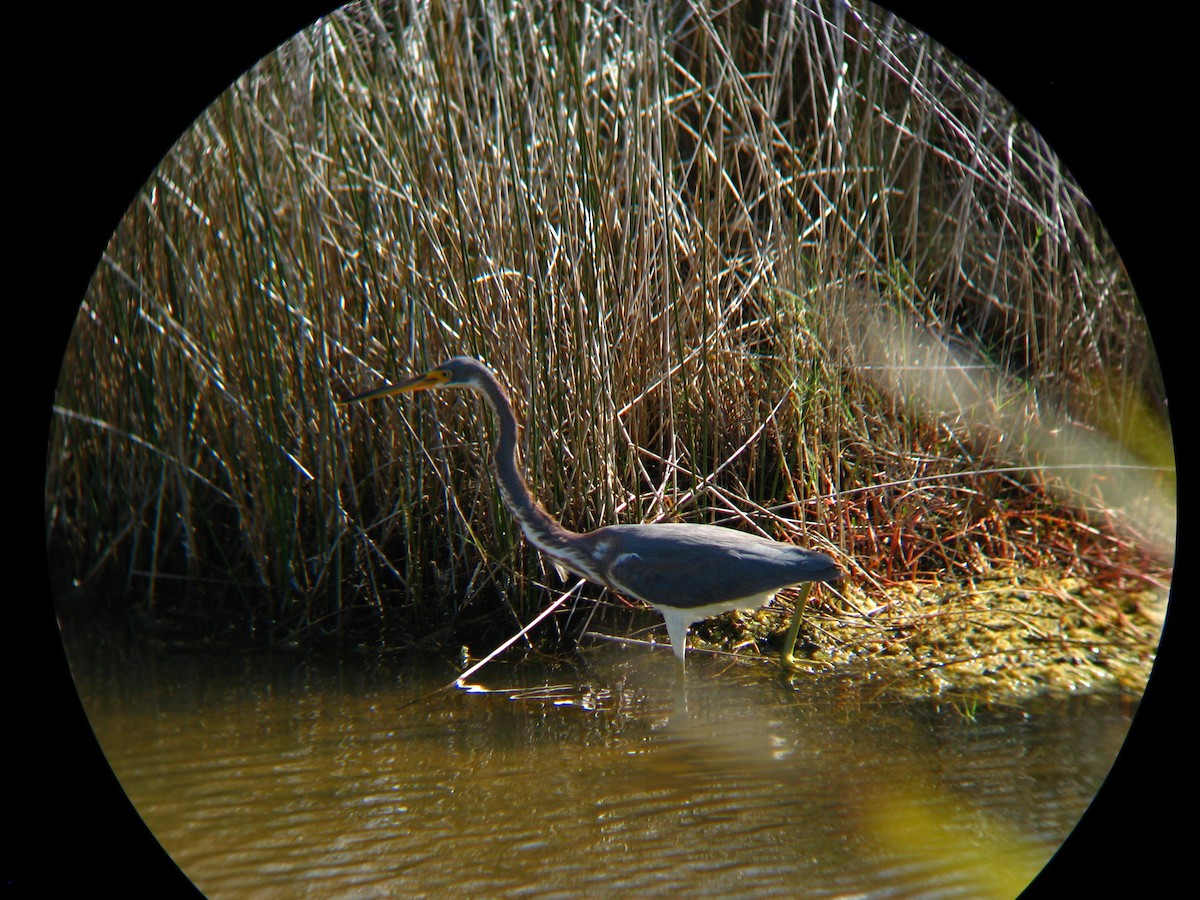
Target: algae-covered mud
{"x":1006,"y":634}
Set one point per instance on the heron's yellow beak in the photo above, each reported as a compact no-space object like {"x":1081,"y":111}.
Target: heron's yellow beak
{"x":431,"y":379}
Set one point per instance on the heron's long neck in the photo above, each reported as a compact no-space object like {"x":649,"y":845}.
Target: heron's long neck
{"x":542,"y":529}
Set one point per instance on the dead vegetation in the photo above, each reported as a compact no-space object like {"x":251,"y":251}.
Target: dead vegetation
{"x":786,"y":267}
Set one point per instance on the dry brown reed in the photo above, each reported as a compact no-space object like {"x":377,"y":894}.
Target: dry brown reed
{"x":787,"y":267}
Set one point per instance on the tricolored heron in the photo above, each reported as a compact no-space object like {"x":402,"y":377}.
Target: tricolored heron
{"x":687,"y":572}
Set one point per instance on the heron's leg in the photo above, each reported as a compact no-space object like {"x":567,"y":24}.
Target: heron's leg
{"x":787,"y":660}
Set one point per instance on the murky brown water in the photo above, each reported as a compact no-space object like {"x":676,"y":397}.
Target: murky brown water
{"x":285,"y":777}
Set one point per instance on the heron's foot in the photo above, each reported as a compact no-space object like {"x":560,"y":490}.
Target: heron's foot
{"x":790,"y":663}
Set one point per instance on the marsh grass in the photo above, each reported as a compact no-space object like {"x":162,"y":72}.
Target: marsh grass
{"x":788,"y":268}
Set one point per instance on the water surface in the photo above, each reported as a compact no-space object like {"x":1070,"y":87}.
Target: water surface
{"x":286,"y":777}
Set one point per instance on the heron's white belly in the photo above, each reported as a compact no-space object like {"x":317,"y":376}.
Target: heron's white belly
{"x":679,"y":618}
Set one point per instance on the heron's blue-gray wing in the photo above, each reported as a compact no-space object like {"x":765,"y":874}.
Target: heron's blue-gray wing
{"x":683,"y":565}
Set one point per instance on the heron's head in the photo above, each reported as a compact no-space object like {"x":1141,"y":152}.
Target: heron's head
{"x":461,"y":371}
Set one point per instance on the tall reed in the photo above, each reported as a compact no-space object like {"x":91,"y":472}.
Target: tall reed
{"x":788,"y":267}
